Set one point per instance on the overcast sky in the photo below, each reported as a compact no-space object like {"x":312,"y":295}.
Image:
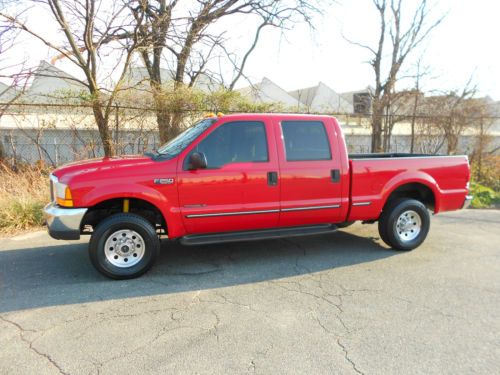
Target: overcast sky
{"x":466,"y":44}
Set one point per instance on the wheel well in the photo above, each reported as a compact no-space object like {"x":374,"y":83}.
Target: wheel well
{"x":416,"y":191}
{"x":140,"y":207}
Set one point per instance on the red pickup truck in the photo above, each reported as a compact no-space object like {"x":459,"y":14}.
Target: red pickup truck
{"x":247,"y":177}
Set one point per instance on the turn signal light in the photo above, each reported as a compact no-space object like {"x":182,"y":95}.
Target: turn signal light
{"x":68,"y":199}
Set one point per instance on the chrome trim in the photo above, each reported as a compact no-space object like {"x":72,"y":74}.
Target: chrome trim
{"x":467,"y":201}
{"x":53,"y":182}
{"x":63,"y":223}
{"x":362,"y":203}
{"x":192,"y":216}
{"x":309,"y":208}
{"x":412,"y":157}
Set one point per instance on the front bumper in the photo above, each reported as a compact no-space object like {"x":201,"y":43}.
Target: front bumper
{"x":63,"y":223}
{"x":467,"y":201}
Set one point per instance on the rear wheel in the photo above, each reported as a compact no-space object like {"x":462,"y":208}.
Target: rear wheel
{"x":124,"y":246}
{"x":404,"y":224}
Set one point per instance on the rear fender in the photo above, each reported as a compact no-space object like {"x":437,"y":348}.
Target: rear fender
{"x":412,"y":177}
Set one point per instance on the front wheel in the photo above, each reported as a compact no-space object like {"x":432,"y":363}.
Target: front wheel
{"x":124,"y":246}
{"x":404,"y":224}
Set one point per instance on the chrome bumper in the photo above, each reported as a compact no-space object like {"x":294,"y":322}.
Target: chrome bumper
{"x":63,"y":223}
{"x":468,"y":199}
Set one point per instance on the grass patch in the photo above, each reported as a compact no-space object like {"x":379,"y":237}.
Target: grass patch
{"x":23,"y":193}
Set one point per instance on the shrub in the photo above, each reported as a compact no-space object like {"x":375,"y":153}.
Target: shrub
{"x":23,"y":193}
{"x":484,"y":197}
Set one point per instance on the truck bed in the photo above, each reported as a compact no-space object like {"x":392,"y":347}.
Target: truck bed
{"x":374,"y":176}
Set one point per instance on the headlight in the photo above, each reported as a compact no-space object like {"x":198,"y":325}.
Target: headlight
{"x":61,"y":193}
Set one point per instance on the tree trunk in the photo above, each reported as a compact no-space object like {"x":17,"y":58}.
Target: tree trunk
{"x":102,"y":125}
{"x":452,"y":144}
{"x":413,"y":119}
{"x":169,"y":122}
{"x":377,"y":119}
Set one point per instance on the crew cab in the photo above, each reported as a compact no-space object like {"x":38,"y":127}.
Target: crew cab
{"x":247,"y":177}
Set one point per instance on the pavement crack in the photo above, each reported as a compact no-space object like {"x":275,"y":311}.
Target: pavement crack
{"x":340,"y":345}
{"x":215,"y":327}
{"x":347,"y":357}
{"x":21,"y":331}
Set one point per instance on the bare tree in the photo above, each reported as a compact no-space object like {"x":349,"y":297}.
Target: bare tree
{"x":91,"y":31}
{"x":14,"y":72}
{"x":420,"y":72}
{"x":187,"y":42}
{"x":483,"y":121}
{"x":446,"y":117}
{"x":397,"y":42}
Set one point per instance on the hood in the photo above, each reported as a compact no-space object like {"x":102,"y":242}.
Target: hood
{"x":101,"y":165}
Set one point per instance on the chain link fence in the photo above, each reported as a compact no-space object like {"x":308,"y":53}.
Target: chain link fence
{"x":55,"y":134}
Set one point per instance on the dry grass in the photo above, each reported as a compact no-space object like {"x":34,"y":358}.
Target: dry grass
{"x":23,"y":193}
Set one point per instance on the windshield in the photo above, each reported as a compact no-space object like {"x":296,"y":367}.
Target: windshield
{"x":179,"y":143}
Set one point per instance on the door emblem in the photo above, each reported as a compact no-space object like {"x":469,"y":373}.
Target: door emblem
{"x":164,"y":181}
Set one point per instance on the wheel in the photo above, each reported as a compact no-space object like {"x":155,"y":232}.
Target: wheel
{"x":404,"y":224}
{"x":124,"y":246}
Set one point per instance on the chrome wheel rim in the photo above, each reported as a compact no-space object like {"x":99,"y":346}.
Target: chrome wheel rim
{"x":124,"y":248}
{"x":408,"y":226}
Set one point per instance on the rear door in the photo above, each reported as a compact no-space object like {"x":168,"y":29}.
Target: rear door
{"x":239,"y":189}
{"x":310,"y":172}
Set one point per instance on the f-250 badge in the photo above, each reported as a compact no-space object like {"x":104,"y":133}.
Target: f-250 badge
{"x":164,"y":181}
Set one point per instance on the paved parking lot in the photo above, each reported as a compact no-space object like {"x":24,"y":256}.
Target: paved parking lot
{"x":334,"y":304}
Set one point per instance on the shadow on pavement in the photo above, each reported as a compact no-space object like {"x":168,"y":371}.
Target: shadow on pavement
{"x":59,"y":275}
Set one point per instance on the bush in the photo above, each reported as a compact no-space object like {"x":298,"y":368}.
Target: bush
{"x":489,"y":175}
{"x":484,"y":197}
{"x":23,"y":193}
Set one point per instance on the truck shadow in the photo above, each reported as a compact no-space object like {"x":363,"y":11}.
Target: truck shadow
{"x":60,"y":275}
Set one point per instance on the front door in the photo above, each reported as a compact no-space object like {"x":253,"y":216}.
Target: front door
{"x":310,"y":173}
{"x":239,"y":189}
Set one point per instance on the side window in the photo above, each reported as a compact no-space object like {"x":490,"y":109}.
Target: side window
{"x":235,"y":142}
{"x":305,"y":140}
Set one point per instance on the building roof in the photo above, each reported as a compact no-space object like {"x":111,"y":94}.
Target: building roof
{"x":51,"y":83}
{"x":266,"y":91}
{"x":321,"y":98}
{"x":138,"y":77}
{"x":7,"y":92}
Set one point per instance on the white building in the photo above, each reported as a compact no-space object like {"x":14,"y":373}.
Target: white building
{"x":321,"y":99}
{"x":266,"y":91}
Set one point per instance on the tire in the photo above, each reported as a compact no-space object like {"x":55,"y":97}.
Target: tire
{"x":124,"y":246}
{"x":404,"y":224}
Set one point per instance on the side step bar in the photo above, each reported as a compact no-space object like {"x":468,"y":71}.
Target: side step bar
{"x":254,"y":235}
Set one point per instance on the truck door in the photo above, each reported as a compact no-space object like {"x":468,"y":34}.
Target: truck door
{"x":239,"y":189}
{"x":310,"y":172}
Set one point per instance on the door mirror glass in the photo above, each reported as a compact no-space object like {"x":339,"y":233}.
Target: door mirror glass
{"x":197,"y":160}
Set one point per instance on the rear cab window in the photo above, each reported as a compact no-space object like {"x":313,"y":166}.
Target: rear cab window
{"x":305,"y":140}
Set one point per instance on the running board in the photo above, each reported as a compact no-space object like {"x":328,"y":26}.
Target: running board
{"x":255,"y":235}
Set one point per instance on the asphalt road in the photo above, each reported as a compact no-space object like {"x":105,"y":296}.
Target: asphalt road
{"x":340,"y":303}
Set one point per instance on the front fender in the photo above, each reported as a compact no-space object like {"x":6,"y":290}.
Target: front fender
{"x":107,"y":192}
{"x":167,"y":207}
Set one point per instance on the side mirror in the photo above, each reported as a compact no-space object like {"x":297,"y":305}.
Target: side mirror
{"x":197,"y":160}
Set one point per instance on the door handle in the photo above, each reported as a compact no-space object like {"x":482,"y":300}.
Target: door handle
{"x":335,"y":175}
{"x":272,"y":178}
